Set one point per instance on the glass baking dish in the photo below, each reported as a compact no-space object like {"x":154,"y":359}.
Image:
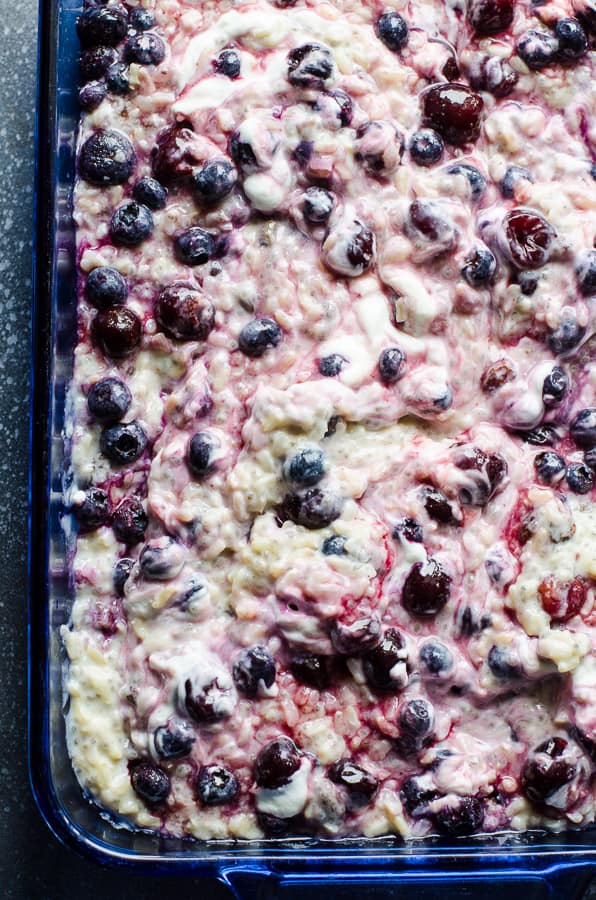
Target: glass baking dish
{"x":536,"y":864}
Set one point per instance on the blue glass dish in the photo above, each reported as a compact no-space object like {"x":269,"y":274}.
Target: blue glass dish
{"x":533,"y":865}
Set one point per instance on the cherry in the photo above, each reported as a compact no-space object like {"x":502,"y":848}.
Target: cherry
{"x":310,"y":66}
{"x":150,"y":782}
{"x":560,"y":606}
{"x":546,"y":771}
{"x":207,"y":702}
{"x":454,"y":110}
{"x":378,"y":664}
{"x":530,"y":238}
{"x":184,"y":312}
{"x":426,"y":589}
{"x":438,"y":506}
{"x":361,"y":785}
{"x":311,"y":669}
{"x":176,"y":155}
{"x":276,"y":762}
{"x":415,"y":797}
{"x":496,"y":375}
{"x":253,"y":666}
{"x":461,"y":819}
{"x":490,"y":16}
{"x":357,"y":637}
{"x":117,"y":331}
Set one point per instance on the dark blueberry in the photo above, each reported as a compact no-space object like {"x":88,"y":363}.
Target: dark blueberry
{"x":379,"y":148}
{"x":474,"y":177}
{"x":131,"y":224}
{"x":177,"y":155}
{"x":479,"y":267}
{"x":580,"y":478}
{"x":303,"y":153}
{"x":118,"y":79}
{"x":528,"y":282}
{"x":462,"y":819}
{"x":308,"y":668}
{"x":549,"y":466}
{"x":184,"y":313}
{"x":194,"y":247}
{"x":243,"y":154}
{"x":106,"y":287}
{"x":150,"y":782}
{"x":334,"y":545}
{"x":357,"y":637}
{"x":228,"y":63}
{"x":122,"y":570}
{"x":392,"y":29}
{"x":585,"y":273}
{"x":470,"y":623}
{"x":274,"y":826}
{"x":214,"y":182}
{"x":546,"y":771}
{"x":216,"y":785}
{"x":493,"y":75}
{"x":109,"y":400}
{"x":426,"y":220}
{"x":95,"y":62}
{"x":583,"y":428}
{"x":530,"y":238}
{"x":416,"y":718}
{"x":161,"y":559}
{"x":454,"y":110}
{"x":207,"y":702}
{"x":146,"y":49}
{"x":512,"y":176}
{"x":105,"y":25}
{"x":567,"y":336}
{"x":436,"y":658}
{"x":117,"y":331}
{"x":306,"y":467}
{"x":130,"y":521}
{"x":174,"y":740}
{"x":123,"y":443}
{"x":573,"y":41}
{"x":502,"y":664}
{"x":590,"y":458}
{"x":310,"y":66}
{"x":555,"y":386}
{"x":340,"y":103}
{"x":409,"y":529}
{"x":538,"y":48}
{"x":141,"y":19}
{"x":253,"y":666}
{"x":380,"y":662}
{"x":201,"y":454}
{"x":414,"y":796}
{"x":92,"y":94}
{"x":438,"y":506}
{"x":426,"y":147}
{"x":94,"y":510}
{"x":426,"y":589}
{"x":329,"y":366}
{"x":361,"y":785}
{"x":276,"y":762}
{"x":258,"y":336}
{"x":313,"y":508}
{"x":317,"y":205}
{"x":361,"y":248}
{"x":490,"y":16}
{"x":151,"y":193}
{"x":107,"y":157}
{"x":541,"y":436}
{"x":392,"y":365}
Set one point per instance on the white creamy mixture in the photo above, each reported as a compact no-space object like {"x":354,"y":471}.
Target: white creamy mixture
{"x":354,"y":597}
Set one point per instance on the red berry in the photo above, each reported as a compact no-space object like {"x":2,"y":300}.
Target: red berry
{"x":184,"y":313}
{"x":176,"y":155}
{"x":490,"y":16}
{"x":529,"y":237}
{"x":454,"y":110}
{"x":117,"y":331}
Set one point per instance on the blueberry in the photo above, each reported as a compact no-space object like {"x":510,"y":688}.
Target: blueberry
{"x":120,"y":574}
{"x":276,"y":762}
{"x":109,"y":400}
{"x":92,"y":94}
{"x":105,"y":25}
{"x":214,"y":182}
{"x":474,"y":177}
{"x":174,"y":740}
{"x":454,"y":110}
{"x":585,"y":273}
{"x":590,"y":458}
{"x":502,"y":664}
{"x":313,"y":508}
{"x":151,"y":193}
{"x":146,"y":49}
{"x":107,"y":157}
{"x":549,"y":466}
{"x":161,"y":559}
{"x":583,"y":428}
{"x":243,"y":154}
{"x":306,"y":467}
{"x":228,"y":63}
{"x":426,"y":589}
{"x":538,"y":48}
{"x":380,"y":662}
{"x":567,"y":336}
{"x":541,"y":436}
{"x":573,"y":41}
{"x":216,"y":785}
{"x":414,"y":796}
{"x":392,"y":365}
{"x":117,"y":331}
{"x":580,"y":478}
{"x":194,"y":247}
{"x":94,"y":510}
{"x":317,"y":205}
{"x":334,"y":545}
{"x":438,"y":506}
{"x":349,"y":249}
{"x":479,"y":267}
{"x":329,"y":366}
{"x":416,"y":718}
{"x":357,"y":637}
{"x":436,"y":658}
{"x":461,"y":819}
{"x":140,"y":19}
{"x":258,"y":336}
{"x":106,"y":287}
{"x":123,"y":444}
{"x":409,"y":529}
{"x":392,"y":30}
{"x":130,"y":521}
{"x":131,"y":224}
{"x":308,"y":668}
{"x":303,"y":152}
{"x":253,"y":666}
{"x":426,"y":147}
{"x":339,"y":104}
{"x":150,"y":782}
{"x":360,"y":784}
{"x":95,"y":62}
{"x":208,"y":702}
{"x":378,"y":148}
{"x":184,"y":312}
{"x":528,"y":282}
{"x":512,"y":176}
{"x":310,"y":66}
{"x":201,"y":454}
{"x":546,"y":771}
{"x":118,"y":79}
{"x":555,"y":387}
